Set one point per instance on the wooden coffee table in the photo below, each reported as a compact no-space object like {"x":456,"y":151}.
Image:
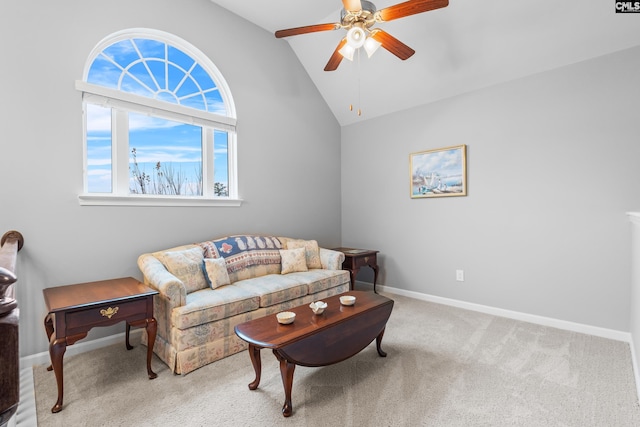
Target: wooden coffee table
{"x":317,"y":340}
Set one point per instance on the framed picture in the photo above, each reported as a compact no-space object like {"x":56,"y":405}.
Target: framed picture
{"x":439,"y":173}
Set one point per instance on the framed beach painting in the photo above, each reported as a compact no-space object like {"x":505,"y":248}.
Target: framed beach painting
{"x":439,"y":173}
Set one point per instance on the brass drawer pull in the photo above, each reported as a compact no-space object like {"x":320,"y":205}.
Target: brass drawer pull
{"x":109,"y":312}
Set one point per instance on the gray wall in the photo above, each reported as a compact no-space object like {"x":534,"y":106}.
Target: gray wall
{"x":289,"y":146}
{"x":634,"y":327}
{"x":552,"y":169}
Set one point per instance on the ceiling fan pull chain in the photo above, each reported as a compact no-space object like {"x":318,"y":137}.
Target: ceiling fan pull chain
{"x":359,"y":111}
{"x":359,"y":103}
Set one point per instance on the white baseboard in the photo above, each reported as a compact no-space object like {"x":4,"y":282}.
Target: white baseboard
{"x":530,"y":318}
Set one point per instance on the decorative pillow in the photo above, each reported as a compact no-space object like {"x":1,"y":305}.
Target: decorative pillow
{"x":293,"y":260}
{"x":186,"y":265}
{"x":312,"y":251}
{"x":215,"y":272}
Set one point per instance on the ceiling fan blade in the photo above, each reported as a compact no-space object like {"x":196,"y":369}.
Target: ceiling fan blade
{"x":352,"y":5}
{"x":336,"y":58}
{"x":392,"y":44}
{"x":409,"y":8}
{"x":304,"y":30}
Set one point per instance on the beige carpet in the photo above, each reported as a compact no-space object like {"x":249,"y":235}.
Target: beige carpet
{"x":445,"y":367}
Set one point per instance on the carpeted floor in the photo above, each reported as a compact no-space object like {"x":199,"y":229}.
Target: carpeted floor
{"x":445,"y":367}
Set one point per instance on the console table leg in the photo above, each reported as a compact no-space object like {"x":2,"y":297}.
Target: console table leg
{"x":378,"y":344}
{"x":375,"y":276}
{"x":56,"y":352}
{"x":48,"y":327}
{"x":254,"y":354}
{"x":127,"y":330}
{"x":152,"y":327}
{"x":352,"y":274}
{"x":286,"y":371}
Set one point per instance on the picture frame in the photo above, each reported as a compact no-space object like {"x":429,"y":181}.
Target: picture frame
{"x":440,"y":172}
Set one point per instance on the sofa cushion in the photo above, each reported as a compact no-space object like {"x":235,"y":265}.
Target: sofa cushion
{"x":274,"y":288}
{"x":186,"y":265}
{"x":293,"y":260}
{"x":208,"y":305}
{"x":215,"y":271}
{"x":320,"y":280}
{"x":312,"y":251}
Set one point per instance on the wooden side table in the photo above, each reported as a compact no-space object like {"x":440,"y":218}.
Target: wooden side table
{"x":356,"y":258}
{"x":75,"y":309}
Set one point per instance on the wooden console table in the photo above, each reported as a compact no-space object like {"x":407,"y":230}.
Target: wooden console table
{"x":356,"y":258}
{"x":75,"y":309}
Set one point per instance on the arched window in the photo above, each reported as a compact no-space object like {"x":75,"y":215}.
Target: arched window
{"x":160,"y":124}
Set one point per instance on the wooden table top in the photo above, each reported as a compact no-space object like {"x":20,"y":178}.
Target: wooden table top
{"x":266,"y":332}
{"x":67,"y":297}
{"x":355,"y":251}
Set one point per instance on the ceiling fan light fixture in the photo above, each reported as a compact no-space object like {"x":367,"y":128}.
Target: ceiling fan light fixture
{"x":356,"y":37}
{"x":347,"y":52}
{"x":371,"y":45}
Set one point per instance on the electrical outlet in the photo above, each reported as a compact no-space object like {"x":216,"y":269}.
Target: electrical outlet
{"x":460,"y":275}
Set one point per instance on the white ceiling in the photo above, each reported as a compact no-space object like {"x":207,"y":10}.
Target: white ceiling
{"x":466,"y":46}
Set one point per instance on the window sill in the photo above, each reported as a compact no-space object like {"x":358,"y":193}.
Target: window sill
{"x":148,"y":200}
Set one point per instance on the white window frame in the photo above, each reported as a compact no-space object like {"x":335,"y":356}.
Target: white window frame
{"x":121,"y":103}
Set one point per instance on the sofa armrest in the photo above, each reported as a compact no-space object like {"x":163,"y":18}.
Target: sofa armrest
{"x":330,"y":259}
{"x":158,"y":277}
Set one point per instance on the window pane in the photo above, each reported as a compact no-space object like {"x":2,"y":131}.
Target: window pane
{"x":176,"y":76}
{"x":165,"y":157}
{"x":140,"y":72}
{"x":180,"y":58}
{"x":129,"y":84}
{"x":194,"y":101}
{"x":203,"y":78}
{"x":215,"y":104}
{"x":186,"y":88}
{"x":150,"y":48}
{"x":157,"y":69}
{"x":98,"y":149}
{"x":122,"y":53}
{"x":104,"y":73}
{"x":221,"y":163}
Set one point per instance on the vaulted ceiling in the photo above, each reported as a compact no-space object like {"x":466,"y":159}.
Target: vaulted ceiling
{"x":468,"y":45}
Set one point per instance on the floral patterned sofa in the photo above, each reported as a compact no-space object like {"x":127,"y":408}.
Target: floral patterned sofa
{"x":207,"y":288}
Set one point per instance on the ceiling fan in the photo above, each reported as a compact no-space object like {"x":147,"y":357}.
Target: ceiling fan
{"x":358,"y":17}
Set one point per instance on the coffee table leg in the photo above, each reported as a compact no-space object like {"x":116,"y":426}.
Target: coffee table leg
{"x":286,"y":371}
{"x":254,"y":354}
{"x":378,"y":344}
